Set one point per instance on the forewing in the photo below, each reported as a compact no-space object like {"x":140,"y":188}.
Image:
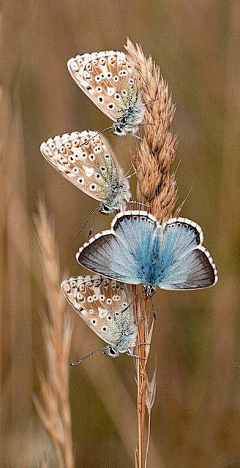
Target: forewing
{"x":124,"y":252}
{"x":104,"y":305}
{"x":86,"y":161}
{"x":184,"y":262}
{"x":108,"y":80}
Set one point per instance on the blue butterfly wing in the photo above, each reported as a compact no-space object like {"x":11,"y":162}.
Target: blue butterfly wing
{"x":138,"y":251}
{"x":123,"y":253}
{"x":184,"y":263}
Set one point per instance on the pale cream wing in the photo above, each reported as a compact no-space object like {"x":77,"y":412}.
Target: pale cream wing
{"x":103,"y":304}
{"x":108,"y":80}
{"x":86,"y":161}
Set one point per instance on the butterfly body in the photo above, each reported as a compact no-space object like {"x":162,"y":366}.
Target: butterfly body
{"x":88,"y":162}
{"x":105,"y":306}
{"x":108,"y":79}
{"x":139,"y":250}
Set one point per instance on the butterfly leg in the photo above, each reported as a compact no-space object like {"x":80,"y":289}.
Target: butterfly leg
{"x":136,"y":356}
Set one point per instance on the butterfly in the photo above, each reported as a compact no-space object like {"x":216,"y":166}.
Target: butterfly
{"x":88,"y":162}
{"x":108,"y":79}
{"x":105,"y":306}
{"x":139,"y":250}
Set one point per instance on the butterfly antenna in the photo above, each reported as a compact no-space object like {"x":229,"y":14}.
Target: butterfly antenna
{"x":87,"y":221}
{"x":94,"y":219}
{"x":129,"y":170}
{"x":75,"y":363}
{"x":96,"y":134}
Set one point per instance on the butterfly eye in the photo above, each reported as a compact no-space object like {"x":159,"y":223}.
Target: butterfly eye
{"x":99,"y":89}
{"x":92,"y":187}
{"x":97,"y":78}
{"x":109,"y":301}
{"x":90,"y":299}
{"x":105,"y":210}
{"x":123,"y":92}
{"x":81,"y":181}
{"x":97,"y":176}
{"x":84,"y":155}
{"x":75,"y":170}
{"x":102,"y":297}
{"x":124,"y":304}
{"x":117,"y":96}
{"x":109,"y":75}
{"x":73,"y":283}
{"x":100,"y":99}
{"x":111,"y":105}
{"x":104,"y":328}
{"x":91,"y":157}
{"x":93,"y":321}
{"x":109,"y":318}
{"x":116,"y":78}
{"x":131,"y":81}
{"x":95,"y":297}
{"x":103,"y":168}
{"x":106,"y":156}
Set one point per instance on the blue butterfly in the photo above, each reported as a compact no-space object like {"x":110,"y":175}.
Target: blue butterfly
{"x":139,"y":250}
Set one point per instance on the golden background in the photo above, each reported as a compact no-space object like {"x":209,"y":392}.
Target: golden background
{"x":196,"y":416}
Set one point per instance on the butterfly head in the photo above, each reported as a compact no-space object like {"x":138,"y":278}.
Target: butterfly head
{"x":104,"y":209}
{"x":111,"y":352}
{"x":149,"y":290}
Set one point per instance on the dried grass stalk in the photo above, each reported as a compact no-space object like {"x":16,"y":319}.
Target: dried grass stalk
{"x":156,"y":152}
{"x":156,"y":187}
{"x":54,"y":408}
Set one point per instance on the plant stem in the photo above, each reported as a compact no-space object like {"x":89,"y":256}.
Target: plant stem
{"x":140,"y":319}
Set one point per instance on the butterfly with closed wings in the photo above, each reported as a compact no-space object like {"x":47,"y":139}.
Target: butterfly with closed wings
{"x":139,"y":250}
{"x":109,"y":80}
{"x":105,"y":305}
{"x":86,"y":160}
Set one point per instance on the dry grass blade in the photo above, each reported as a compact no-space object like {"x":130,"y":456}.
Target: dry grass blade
{"x":54,"y":409}
{"x":150,"y":398}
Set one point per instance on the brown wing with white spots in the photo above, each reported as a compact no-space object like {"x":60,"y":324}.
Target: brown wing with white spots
{"x":108,"y":80}
{"x":86,"y":161}
{"x":104,"y":305}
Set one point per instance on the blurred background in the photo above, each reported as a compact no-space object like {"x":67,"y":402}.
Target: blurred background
{"x":196,"y":416}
